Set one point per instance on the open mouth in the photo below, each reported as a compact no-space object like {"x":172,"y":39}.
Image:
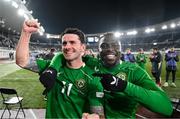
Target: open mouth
{"x":111,"y":56}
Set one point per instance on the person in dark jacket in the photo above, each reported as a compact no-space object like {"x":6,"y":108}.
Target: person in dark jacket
{"x":50,"y":55}
{"x":156,"y":62}
{"x":128,"y":57}
{"x":171,"y":59}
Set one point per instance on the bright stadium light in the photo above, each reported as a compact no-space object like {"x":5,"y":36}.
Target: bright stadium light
{"x":148,"y":30}
{"x":118,"y":34}
{"x":47,"y":36}
{"x":173,"y":25}
{"x":154,"y":43}
{"x":153,"y":29}
{"x":164,"y":27}
{"x":14,"y":4}
{"x":21,"y":12}
{"x":132,"y":32}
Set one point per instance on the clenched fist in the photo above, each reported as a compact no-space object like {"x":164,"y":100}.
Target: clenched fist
{"x":31,"y":26}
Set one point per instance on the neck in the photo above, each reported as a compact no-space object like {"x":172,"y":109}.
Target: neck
{"x":75,"y":64}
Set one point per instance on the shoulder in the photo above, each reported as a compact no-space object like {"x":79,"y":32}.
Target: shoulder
{"x":88,"y":72}
{"x":129,"y":66}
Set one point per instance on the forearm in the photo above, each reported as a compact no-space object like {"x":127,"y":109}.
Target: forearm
{"x":153,"y":99}
{"x":98,"y":110}
{"x":22,"y":49}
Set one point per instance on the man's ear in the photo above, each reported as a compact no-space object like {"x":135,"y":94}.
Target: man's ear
{"x":83,"y":47}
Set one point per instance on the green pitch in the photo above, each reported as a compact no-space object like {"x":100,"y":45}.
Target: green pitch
{"x":29,"y":87}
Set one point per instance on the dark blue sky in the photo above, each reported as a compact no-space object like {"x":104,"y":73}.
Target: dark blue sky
{"x":96,"y":16}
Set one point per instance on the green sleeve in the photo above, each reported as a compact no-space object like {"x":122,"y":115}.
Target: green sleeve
{"x":96,"y":93}
{"x":145,"y":91}
{"x":90,"y":61}
{"x":57,"y":61}
{"x":42,"y":64}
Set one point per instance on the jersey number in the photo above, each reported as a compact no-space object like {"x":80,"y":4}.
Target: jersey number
{"x":68,"y":87}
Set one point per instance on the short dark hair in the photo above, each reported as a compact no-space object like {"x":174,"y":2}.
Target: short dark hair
{"x":75,"y":31}
{"x":155,"y":48}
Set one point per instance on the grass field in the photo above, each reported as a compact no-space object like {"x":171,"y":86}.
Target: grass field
{"x":29,"y":87}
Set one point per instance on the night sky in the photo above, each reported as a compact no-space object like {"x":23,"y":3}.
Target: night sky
{"x":97,"y":16}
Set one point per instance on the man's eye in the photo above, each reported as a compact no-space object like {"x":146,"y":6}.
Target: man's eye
{"x":64,"y":43}
{"x":104,"y":46}
{"x":72,"y":42}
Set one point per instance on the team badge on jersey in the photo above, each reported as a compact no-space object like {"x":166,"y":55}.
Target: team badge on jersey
{"x":81,"y":83}
{"x":122,"y":75}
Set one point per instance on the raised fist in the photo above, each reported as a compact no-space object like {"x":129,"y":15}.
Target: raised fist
{"x":31,"y":26}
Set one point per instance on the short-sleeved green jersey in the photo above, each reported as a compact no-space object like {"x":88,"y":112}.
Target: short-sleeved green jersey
{"x":74,"y":90}
{"x":140,"y":90}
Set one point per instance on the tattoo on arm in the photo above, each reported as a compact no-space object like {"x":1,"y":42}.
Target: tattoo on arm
{"x":98,"y":110}
{"x":32,"y":65}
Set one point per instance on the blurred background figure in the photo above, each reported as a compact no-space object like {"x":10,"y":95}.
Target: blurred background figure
{"x":171,"y":58}
{"x":50,"y":55}
{"x":128,"y":57}
{"x":11,"y":55}
{"x":156,"y":62}
{"x":141,"y":58}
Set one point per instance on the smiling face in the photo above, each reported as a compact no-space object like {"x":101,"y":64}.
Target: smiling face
{"x":72,"y":47}
{"x":109,"y":48}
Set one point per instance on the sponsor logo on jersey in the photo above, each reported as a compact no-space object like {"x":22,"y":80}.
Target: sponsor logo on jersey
{"x":96,"y":69}
{"x":122,"y":75}
{"x":99,"y":94}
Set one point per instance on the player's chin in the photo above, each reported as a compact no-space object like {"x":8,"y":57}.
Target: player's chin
{"x":68,"y":57}
{"x":110,"y":61}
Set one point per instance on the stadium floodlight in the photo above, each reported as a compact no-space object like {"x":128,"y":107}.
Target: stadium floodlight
{"x":14,"y":4}
{"x":132,"y":32}
{"x":118,"y":34}
{"x":148,"y":30}
{"x":47,"y":35}
{"x":164,"y":27}
{"x":153,"y":29}
{"x":173,"y":25}
{"x":21,"y":12}
{"x":154,"y":43}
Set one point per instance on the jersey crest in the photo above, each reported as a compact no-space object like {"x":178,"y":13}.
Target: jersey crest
{"x":122,"y":75}
{"x":81,"y":84}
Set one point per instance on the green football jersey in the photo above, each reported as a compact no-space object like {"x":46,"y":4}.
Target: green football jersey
{"x":140,"y":90}
{"x":75,"y":90}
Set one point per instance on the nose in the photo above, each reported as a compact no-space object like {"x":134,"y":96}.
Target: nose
{"x":67,"y":45}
